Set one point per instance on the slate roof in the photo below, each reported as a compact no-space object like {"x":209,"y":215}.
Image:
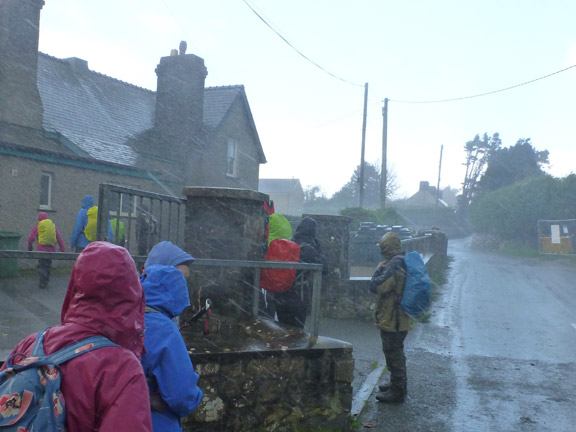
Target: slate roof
{"x":101,"y":114}
{"x":217,"y":101}
{"x":423,"y":199}
{"x":96,"y":112}
{"x":278,"y":185}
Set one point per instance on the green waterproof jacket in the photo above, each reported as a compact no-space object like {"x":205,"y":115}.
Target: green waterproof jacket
{"x":388,"y":285}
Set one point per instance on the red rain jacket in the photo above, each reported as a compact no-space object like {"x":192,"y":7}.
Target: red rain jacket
{"x":105,"y":389}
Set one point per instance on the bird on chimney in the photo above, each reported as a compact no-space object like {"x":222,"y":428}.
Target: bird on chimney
{"x":183,"y":46}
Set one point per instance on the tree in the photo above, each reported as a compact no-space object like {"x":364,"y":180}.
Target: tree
{"x":316,"y":202}
{"x":507,"y":166}
{"x":512,"y":212}
{"x":349,"y":194}
{"x":477,"y":153}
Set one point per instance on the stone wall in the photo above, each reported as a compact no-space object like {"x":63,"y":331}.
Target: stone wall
{"x":352,"y":298}
{"x":297,"y":388}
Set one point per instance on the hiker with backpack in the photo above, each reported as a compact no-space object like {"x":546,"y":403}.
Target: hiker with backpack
{"x":388,"y":283}
{"x":85,"y":227}
{"x":104,"y":386}
{"x":118,"y":236}
{"x":292,"y":306}
{"x":172,"y":381}
{"x":280,"y":248}
{"x":47,"y":238}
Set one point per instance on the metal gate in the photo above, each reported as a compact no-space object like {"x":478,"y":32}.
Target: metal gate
{"x":138,"y":219}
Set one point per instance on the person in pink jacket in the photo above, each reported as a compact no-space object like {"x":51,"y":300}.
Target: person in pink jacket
{"x":47,"y":237}
{"x":105,"y":390}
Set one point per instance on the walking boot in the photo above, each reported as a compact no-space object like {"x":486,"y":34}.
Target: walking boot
{"x":384,"y":387}
{"x":391,"y":396}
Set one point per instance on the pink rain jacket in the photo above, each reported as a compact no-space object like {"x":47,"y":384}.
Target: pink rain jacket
{"x":105,"y":389}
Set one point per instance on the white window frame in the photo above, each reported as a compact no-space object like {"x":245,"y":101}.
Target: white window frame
{"x":123,"y":213}
{"x":232,"y":158}
{"x":48,"y":204}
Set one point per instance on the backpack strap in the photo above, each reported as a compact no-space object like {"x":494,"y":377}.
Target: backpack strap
{"x":38,"y":350}
{"x":63,"y":355}
{"x":69,"y":352}
{"x":83,"y":346}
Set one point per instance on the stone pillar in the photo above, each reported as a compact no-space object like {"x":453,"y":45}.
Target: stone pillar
{"x":229,"y":224}
{"x":333,"y":234}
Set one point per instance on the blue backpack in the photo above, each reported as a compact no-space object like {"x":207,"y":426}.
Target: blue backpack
{"x":417,"y":288}
{"x":30,"y":397}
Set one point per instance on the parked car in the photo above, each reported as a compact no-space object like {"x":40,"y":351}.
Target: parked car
{"x":402,"y":232}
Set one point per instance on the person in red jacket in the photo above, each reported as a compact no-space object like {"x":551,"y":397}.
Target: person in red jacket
{"x":47,"y":236}
{"x":105,"y":389}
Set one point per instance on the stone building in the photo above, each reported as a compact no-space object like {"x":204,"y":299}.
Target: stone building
{"x":287,"y":194}
{"x":65,"y":129}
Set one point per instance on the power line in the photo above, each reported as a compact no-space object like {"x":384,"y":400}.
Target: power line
{"x":487,"y":93}
{"x":297,"y":50}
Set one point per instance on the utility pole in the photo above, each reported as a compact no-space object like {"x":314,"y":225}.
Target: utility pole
{"x":384,"y":172}
{"x":439,"y":171}
{"x":361,"y":179}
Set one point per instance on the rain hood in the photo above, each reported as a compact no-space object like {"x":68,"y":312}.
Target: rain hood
{"x":87,"y":202}
{"x":105,"y":296}
{"x":306,"y":230}
{"x":167,"y":253}
{"x":390,"y":245}
{"x":165,"y":289}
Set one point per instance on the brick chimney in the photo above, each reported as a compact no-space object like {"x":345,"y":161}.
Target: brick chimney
{"x":20,"y":101}
{"x":180,"y":95}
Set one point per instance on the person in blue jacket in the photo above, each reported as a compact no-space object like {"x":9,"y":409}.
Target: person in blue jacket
{"x":167,"y":253}
{"x":172,"y":381}
{"x":78,"y":240}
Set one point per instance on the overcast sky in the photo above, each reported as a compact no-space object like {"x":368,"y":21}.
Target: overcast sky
{"x":308,"y":112}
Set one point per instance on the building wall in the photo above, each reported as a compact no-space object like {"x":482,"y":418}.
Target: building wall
{"x":20,"y":193}
{"x":288,"y":204}
{"x":214,"y":160}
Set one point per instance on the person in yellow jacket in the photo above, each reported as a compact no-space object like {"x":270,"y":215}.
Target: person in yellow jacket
{"x":388,"y":284}
{"x":47,"y":237}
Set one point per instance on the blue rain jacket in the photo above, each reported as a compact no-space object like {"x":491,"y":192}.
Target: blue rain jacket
{"x":78,"y":239}
{"x":167,"y":253}
{"x":166,"y":362}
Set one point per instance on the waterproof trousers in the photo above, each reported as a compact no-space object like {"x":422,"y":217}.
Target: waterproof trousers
{"x":44,"y":268}
{"x":290,"y":309}
{"x":393,"y":348}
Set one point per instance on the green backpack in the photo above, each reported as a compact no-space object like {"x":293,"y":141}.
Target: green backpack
{"x":118,"y":238}
{"x":90,"y":228}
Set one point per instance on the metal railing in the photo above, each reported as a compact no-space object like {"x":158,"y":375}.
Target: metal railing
{"x":315,"y":269}
{"x":145,"y":218}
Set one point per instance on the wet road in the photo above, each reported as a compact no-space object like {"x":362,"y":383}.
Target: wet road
{"x":499,"y":353}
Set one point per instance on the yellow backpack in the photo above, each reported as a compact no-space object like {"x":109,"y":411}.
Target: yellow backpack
{"x":90,"y":228}
{"x":46,"y":232}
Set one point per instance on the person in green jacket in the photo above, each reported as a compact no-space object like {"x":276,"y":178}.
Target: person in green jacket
{"x":388,"y":285}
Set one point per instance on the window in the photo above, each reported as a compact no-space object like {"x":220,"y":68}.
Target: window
{"x":232,"y":158}
{"x":127,"y":204}
{"x":46,"y":191}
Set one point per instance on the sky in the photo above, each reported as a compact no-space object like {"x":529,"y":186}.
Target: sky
{"x":305,"y":77}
